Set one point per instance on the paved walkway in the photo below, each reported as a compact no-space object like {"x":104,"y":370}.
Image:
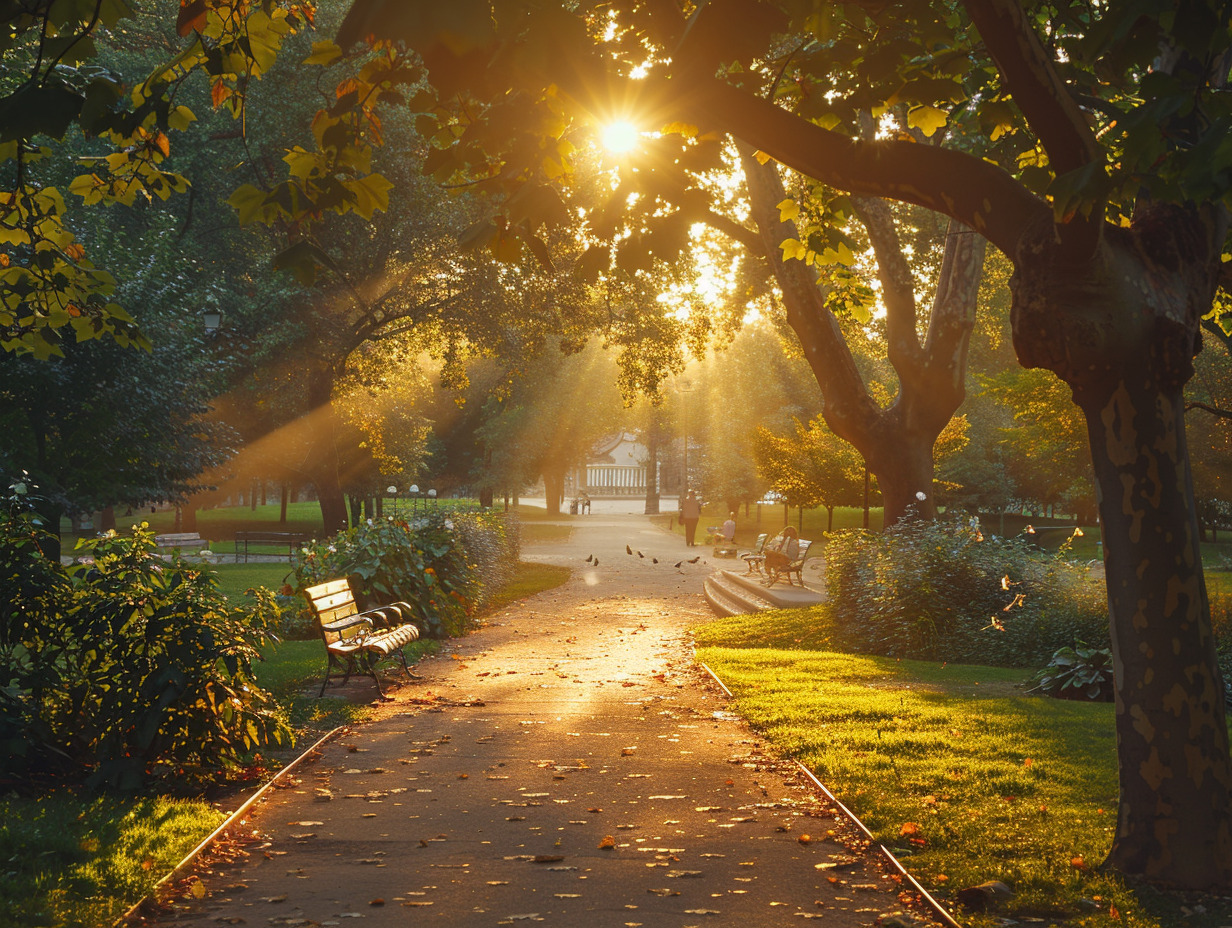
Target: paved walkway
{"x":567,"y":765}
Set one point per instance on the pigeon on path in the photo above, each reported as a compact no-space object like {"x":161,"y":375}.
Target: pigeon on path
{"x":639,"y":554}
{"x":654,"y":560}
{"x":628,"y":550}
{"x":589,"y":558}
{"x":694,"y":560}
{"x":678,"y":563}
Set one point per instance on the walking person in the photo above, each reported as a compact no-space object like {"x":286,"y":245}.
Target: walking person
{"x":690,"y":515}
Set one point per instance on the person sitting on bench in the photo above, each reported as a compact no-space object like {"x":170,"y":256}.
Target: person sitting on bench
{"x":781,"y":551}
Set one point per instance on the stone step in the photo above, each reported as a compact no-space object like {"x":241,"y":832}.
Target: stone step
{"x":734,"y":593}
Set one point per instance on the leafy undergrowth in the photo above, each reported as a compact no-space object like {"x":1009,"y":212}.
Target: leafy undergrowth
{"x":953,"y":767}
{"x":70,"y":862}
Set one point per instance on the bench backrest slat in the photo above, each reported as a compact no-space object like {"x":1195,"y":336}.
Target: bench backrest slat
{"x":330,"y":602}
{"x":804,"y":546}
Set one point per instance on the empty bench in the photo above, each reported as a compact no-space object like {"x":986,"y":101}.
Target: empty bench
{"x":178,"y":540}
{"x":291,"y":541}
{"x":356,"y":640}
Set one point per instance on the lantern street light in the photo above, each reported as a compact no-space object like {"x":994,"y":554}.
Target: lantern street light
{"x":414,"y":490}
{"x":393,"y":491}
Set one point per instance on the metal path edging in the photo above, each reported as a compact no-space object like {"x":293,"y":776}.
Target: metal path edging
{"x":946,"y":918}
{"x":226,"y":824}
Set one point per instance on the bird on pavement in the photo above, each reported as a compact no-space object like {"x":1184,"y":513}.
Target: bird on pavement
{"x":694,"y":560}
{"x":596,"y":562}
{"x":628,"y":550}
{"x":589,"y":558}
{"x":654,"y":560}
{"x":639,"y":554}
{"x":678,"y":563}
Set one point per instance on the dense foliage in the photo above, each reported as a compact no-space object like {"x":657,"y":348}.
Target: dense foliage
{"x":1080,"y":672}
{"x":943,"y":591}
{"x":124,"y":669}
{"x":443,"y":564}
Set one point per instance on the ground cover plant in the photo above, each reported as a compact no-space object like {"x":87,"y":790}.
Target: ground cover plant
{"x":72,"y":860}
{"x":126,"y":670}
{"x":443,"y":565}
{"x":943,"y":590}
{"x":954,"y":767}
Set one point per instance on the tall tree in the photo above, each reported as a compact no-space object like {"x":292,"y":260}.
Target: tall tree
{"x":1091,"y":153}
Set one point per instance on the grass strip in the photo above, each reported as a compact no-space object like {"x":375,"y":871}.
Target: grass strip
{"x":69,"y":860}
{"x":953,"y":767}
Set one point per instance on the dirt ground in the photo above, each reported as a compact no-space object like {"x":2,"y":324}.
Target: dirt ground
{"x":566,"y":764}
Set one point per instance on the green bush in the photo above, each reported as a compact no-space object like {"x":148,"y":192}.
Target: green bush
{"x":1080,"y":673}
{"x":124,"y":669}
{"x":443,"y":565}
{"x":940,"y":590}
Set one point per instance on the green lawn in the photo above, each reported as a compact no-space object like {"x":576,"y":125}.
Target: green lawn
{"x":75,"y":862}
{"x":955,"y":767}
{"x":68,"y":860}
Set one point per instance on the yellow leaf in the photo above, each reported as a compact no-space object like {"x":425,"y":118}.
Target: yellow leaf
{"x":789,"y":209}
{"x":761,"y":157}
{"x":180,"y":117}
{"x":928,"y":119}
{"x":248,"y":202}
{"x":324,"y":53}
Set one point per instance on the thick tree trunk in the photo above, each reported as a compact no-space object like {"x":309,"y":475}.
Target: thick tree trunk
{"x":486,"y":495}
{"x":896,"y":442}
{"x":652,"y":470}
{"x":1175,"y":820}
{"x":1120,"y":326}
{"x":553,"y":490}
{"x":323,"y":459}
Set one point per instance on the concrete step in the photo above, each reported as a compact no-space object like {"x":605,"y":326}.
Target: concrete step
{"x":732,"y":592}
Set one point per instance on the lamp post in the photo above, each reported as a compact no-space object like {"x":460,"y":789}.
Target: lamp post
{"x":414,"y":490}
{"x":393,"y":491}
{"x":431,"y":496}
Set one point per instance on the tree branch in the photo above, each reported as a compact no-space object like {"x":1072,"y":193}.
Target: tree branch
{"x":1037,"y":88}
{"x":964,"y":187}
{"x":1213,"y":410}
{"x":897,"y":282}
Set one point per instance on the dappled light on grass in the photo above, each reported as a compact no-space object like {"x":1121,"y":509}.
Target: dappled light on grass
{"x":72,"y":862}
{"x":953,"y":765}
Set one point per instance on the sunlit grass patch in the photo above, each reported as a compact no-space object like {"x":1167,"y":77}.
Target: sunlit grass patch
{"x":956,"y":768}
{"x":528,"y":579}
{"x":71,"y":862}
{"x":544,"y":533}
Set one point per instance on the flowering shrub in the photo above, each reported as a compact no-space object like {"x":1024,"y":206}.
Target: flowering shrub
{"x":940,"y":590}
{"x":443,"y":565}
{"x":125,"y":669}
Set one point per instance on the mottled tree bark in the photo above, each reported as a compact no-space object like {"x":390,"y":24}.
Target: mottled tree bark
{"x":897,"y":441}
{"x":652,"y":469}
{"x":1121,"y":328}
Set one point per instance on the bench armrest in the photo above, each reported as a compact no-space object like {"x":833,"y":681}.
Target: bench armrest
{"x":350,"y":621}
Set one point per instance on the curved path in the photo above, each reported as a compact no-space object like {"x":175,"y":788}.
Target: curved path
{"x":567,"y":764}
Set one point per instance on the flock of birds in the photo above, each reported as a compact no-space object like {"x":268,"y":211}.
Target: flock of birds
{"x":594,"y":561}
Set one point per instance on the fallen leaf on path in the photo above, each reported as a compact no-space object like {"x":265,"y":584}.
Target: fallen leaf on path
{"x":607,"y":842}
{"x":377,"y":902}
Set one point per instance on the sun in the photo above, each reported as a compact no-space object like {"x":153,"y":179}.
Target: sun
{"x":620,"y":136}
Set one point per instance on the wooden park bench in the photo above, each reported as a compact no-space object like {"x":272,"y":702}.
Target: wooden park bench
{"x":291,"y":541}
{"x":178,"y":540}
{"x":356,"y":640}
{"x":753,"y":559}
